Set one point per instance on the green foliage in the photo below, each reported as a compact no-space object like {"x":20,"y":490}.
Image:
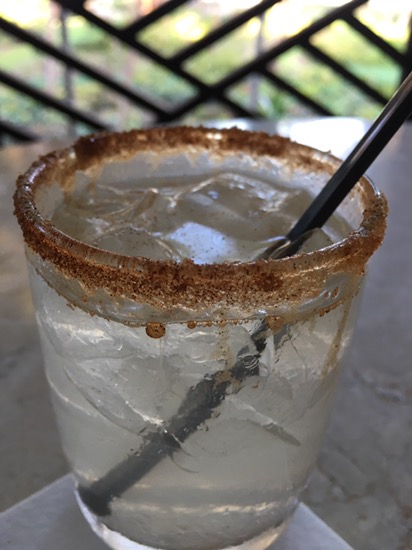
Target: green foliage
{"x":167,"y":37}
{"x":176,"y":30}
{"x":25,"y":112}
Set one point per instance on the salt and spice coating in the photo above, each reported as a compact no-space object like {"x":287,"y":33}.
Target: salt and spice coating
{"x":166,"y":284}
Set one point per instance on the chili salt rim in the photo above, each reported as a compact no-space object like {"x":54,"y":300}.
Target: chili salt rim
{"x":166,"y":283}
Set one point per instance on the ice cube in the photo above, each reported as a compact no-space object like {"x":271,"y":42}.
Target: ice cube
{"x":203,"y":244}
{"x":317,"y":240}
{"x":233,"y":204}
{"x":133,"y":241}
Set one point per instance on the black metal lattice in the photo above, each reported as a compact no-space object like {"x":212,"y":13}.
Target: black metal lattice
{"x":161,"y":111}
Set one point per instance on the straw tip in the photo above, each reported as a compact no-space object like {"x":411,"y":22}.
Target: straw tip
{"x":95,"y":503}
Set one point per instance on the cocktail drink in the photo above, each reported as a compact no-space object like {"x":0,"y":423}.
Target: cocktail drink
{"x":191,"y":382}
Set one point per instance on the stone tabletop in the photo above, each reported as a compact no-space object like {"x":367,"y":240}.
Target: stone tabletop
{"x":362,"y":486}
{"x":51,"y":519}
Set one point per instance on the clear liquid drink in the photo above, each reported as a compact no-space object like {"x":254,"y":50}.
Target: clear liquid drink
{"x":192,"y":384}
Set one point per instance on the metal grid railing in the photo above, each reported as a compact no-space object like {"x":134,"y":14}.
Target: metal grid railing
{"x":161,"y":111}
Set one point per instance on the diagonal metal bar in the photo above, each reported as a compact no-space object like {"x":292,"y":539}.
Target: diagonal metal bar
{"x":154,"y":56}
{"x":77,"y":3}
{"x":75,"y":63}
{"x":366,"y":32}
{"x":340,"y":69}
{"x":236,"y":109}
{"x":288,"y":43}
{"x":134,"y":44}
{"x":408,"y":54}
{"x":291,"y":90}
{"x":17,"y":132}
{"x":50,"y":101}
{"x":153,"y":16}
{"x":260,"y":62}
{"x":223,"y":30}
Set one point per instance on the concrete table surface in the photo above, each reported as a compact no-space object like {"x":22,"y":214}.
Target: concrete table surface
{"x":51,"y":519}
{"x":362,"y":486}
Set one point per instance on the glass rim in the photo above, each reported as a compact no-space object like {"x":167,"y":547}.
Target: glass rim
{"x":167,"y":283}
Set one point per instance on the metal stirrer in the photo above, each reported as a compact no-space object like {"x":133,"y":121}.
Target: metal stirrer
{"x":202,"y":399}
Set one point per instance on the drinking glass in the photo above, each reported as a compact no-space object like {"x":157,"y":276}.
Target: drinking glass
{"x":191,"y":382}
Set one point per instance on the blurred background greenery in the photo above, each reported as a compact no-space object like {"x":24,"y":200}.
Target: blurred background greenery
{"x":184,"y":26}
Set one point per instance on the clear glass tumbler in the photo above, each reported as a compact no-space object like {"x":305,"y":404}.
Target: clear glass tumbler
{"x":192,"y":383}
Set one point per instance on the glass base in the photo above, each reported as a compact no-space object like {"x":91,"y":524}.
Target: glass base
{"x":119,"y":542}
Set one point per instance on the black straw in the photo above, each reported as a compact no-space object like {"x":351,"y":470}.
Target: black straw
{"x":197,"y":407}
{"x":202,"y":399}
{"x":382,"y":130}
